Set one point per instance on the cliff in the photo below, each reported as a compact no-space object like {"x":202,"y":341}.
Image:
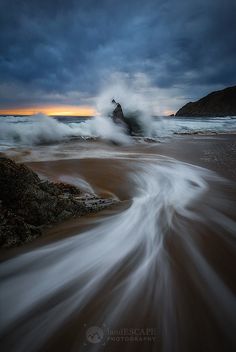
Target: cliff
{"x":219,"y":103}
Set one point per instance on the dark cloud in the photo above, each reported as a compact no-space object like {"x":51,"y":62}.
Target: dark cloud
{"x":56,"y":47}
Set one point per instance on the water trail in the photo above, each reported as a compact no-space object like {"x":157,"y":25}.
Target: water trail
{"x":78,"y":182}
{"x":42,"y":289}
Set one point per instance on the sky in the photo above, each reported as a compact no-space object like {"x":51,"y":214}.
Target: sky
{"x":60,"y":55}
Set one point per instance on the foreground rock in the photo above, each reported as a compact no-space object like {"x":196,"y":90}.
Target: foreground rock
{"x":28,"y":204}
{"x":220,"y":103}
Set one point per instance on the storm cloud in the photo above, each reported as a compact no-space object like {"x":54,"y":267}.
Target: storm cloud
{"x":64,"y":51}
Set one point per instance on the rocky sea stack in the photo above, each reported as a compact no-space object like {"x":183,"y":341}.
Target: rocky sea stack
{"x":28,"y":204}
{"x":220,"y":103}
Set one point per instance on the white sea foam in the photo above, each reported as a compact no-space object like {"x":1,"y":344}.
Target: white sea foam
{"x":41,"y":129}
{"x":37,"y":129}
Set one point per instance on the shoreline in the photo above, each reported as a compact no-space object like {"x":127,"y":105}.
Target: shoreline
{"x":166,"y":244}
{"x":108,"y":176}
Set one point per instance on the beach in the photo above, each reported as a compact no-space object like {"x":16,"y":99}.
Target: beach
{"x":117,"y":176}
{"x":160,"y":262}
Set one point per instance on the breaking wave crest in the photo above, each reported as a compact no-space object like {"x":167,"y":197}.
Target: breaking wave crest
{"x":41,"y":129}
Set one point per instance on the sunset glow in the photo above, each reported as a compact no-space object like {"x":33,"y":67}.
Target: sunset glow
{"x":168,"y":112}
{"x":54,"y":110}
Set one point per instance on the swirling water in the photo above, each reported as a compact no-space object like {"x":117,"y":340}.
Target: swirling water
{"x":164,"y":261}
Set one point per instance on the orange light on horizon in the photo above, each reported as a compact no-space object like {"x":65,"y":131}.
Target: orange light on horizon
{"x":169,"y":112}
{"x":51,"y":110}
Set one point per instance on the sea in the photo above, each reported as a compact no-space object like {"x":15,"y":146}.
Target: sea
{"x":21,"y":131}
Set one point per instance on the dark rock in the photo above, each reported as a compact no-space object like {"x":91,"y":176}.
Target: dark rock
{"x":117,"y":114}
{"x":220,"y":103}
{"x":14,"y":230}
{"x":130,"y":122}
{"x":132,"y":119}
{"x":27,"y":203}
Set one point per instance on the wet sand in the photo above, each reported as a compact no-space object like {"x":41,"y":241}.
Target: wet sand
{"x":186,"y":296}
{"x":217,"y":153}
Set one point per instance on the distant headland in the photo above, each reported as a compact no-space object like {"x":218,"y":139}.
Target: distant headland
{"x":219,"y":103}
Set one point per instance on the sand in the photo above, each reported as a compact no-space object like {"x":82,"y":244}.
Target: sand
{"x":194,"y":321}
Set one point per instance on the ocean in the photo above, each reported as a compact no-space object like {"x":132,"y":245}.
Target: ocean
{"x":41,"y":129}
